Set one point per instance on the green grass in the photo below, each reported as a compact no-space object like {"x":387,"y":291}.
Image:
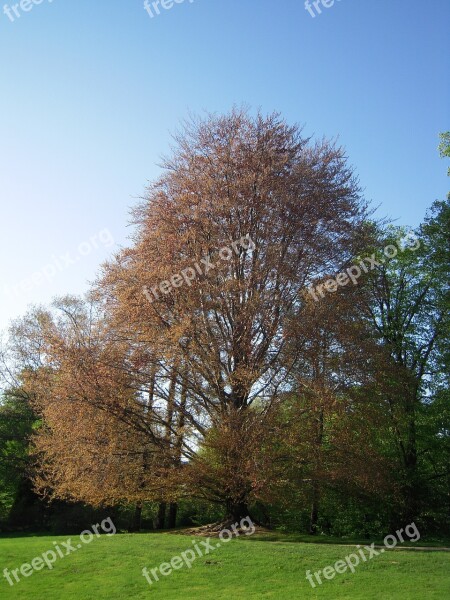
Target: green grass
{"x":249,"y":567}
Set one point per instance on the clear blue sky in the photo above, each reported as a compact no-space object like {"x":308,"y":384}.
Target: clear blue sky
{"x":90,"y":90}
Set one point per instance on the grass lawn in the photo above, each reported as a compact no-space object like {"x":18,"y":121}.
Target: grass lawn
{"x":249,"y":567}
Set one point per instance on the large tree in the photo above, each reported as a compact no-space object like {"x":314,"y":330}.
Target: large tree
{"x":285,"y":209}
{"x":406,"y":301}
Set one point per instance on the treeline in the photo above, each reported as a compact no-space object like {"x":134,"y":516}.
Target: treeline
{"x":263,"y":347}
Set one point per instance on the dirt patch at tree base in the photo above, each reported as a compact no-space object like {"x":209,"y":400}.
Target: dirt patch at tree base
{"x":214,"y":529}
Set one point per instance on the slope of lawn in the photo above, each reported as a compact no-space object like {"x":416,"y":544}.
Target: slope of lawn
{"x":249,"y":567}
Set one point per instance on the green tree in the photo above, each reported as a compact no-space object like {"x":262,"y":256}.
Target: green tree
{"x":16,"y":425}
{"x":444,"y":146}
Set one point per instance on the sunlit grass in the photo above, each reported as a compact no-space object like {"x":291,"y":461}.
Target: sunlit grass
{"x":274,"y":567}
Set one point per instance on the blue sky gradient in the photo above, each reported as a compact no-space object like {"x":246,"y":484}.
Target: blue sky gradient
{"x":90,"y":92}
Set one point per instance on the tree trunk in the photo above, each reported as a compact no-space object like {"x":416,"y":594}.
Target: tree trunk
{"x":236,"y":510}
{"x":160,"y":519}
{"x":412,"y":484}
{"x":173,"y":506}
{"x":172,"y":518}
{"x":314,"y":509}
{"x":137,"y":518}
{"x":314,"y":517}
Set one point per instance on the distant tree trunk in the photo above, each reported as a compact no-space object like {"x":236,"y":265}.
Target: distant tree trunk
{"x":412,"y":484}
{"x":314,"y":518}
{"x":407,"y":445}
{"x":137,"y":518}
{"x":172,"y":517}
{"x":314,"y":509}
{"x":160,"y":519}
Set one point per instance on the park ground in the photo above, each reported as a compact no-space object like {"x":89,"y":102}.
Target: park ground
{"x":259,"y":566}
